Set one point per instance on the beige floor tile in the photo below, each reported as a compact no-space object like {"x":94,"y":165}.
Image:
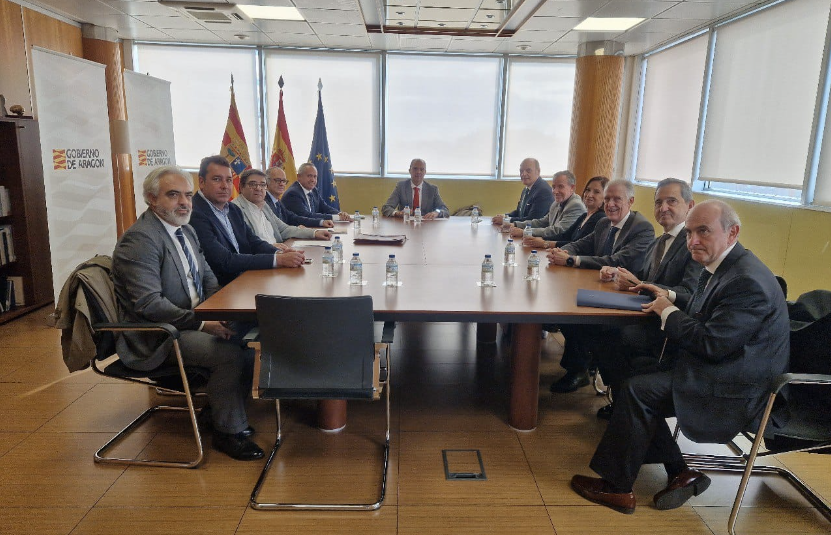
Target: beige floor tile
{"x":762,"y":491}
{"x":160,"y":520}
{"x":452,"y":409}
{"x":380,"y":522}
{"x":766,"y":521}
{"x":812,"y":468}
{"x":593,"y":519}
{"x":40,"y":520}
{"x":491,"y":519}
{"x":10,"y":440}
{"x":49,"y":368}
{"x":27,"y":407}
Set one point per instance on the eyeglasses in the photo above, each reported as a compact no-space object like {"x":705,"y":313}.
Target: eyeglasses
{"x":280,"y":180}
{"x":255,"y":185}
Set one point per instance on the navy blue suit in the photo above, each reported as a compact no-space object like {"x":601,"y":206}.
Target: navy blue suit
{"x":294,"y":200}
{"x":537,"y":203}
{"x":287,"y":216}
{"x":225,"y":261}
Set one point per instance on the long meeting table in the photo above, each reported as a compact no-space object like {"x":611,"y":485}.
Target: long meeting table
{"x":439,"y":267}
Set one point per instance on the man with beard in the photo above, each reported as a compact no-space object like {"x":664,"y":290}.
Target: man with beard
{"x":160,"y":275}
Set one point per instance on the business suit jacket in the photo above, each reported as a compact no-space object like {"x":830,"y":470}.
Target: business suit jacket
{"x":402,"y":196}
{"x":677,"y":271}
{"x":559,"y":218}
{"x":287,"y":216}
{"x":537,"y":203}
{"x":280,"y":231}
{"x":151,"y":285}
{"x":732,"y":342}
{"x":629,"y":249}
{"x":294,"y":200}
{"x":225,"y":261}
{"x":575,"y":231}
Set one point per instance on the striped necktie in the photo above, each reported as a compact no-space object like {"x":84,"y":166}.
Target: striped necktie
{"x":197,"y":280}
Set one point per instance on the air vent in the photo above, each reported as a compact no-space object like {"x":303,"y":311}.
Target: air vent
{"x":208,"y":13}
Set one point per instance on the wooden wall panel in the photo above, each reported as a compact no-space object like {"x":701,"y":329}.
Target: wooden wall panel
{"x":14,"y":71}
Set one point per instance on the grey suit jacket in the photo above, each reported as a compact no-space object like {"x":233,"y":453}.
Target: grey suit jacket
{"x":281,"y":231}
{"x":629,"y":249}
{"x":402,"y":196}
{"x":677,"y":271}
{"x":559,"y":218}
{"x":151,"y":285}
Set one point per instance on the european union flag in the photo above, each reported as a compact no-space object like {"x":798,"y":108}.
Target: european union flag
{"x":321,"y":159}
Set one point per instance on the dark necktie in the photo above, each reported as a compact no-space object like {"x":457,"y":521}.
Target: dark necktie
{"x":416,"y":198}
{"x":610,"y":242}
{"x":197,"y":281}
{"x":703,"y":279}
{"x":660,"y":247}
{"x":522,"y":199}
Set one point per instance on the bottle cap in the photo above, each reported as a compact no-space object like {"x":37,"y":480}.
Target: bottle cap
{"x":533,"y":251}
{"x":328,"y":248}
{"x":487,"y":256}
{"x":337,"y":237}
{"x":354,"y":254}
{"x":392,"y":256}
{"x":510,"y":240}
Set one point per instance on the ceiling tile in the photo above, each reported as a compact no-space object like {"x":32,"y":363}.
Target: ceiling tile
{"x":702,"y":10}
{"x":489,"y":15}
{"x":447,"y":25}
{"x":384,"y":41}
{"x":551,"y":23}
{"x":562,"y":49}
{"x":164,"y":23}
{"x":570,"y":8}
{"x":287,"y":26}
{"x":294,"y":39}
{"x":673,"y":26}
{"x":252,"y":38}
{"x":148,"y":8}
{"x":464,"y":44}
{"x":403,"y":23}
{"x":79,"y":10}
{"x":339,"y":29}
{"x":437,"y":13}
{"x":346,"y":5}
{"x":342,"y":41}
{"x":633,"y":9}
{"x":538,"y":36}
{"x":333,"y":16}
{"x":146,"y":33}
{"x":436,"y":42}
{"x":195,"y":36}
{"x":485,"y":25}
{"x":401,"y":12}
{"x":520,"y":47}
{"x":405,"y":3}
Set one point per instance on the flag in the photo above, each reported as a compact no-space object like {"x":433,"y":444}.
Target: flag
{"x":281,"y":154}
{"x":321,"y":159}
{"x":234,"y":147}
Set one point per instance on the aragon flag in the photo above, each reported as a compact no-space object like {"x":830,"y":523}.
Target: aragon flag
{"x":321,"y":158}
{"x":281,"y":153}
{"x":234,"y":147}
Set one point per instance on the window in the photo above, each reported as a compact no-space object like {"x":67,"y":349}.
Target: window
{"x":443,"y":109}
{"x":350,"y":104}
{"x":200,"y":93}
{"x":538,"y":117}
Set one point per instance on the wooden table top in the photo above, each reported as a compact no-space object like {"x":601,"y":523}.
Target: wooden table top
{"x":439,"y":266}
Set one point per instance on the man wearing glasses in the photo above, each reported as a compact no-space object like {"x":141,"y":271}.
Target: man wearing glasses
{"x":276,"y":185}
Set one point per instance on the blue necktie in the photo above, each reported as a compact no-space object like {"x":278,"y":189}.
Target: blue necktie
{"x":197,"y":281}
{"x":703,"y":279}
{"x":609,"y":243}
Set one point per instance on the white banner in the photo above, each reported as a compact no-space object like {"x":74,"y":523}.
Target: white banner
{"x":71,"y":107}
{"x":150,"y":123}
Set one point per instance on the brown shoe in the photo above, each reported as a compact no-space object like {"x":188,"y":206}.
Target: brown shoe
{"x":599,"y":491}
{"x":684,"y":486}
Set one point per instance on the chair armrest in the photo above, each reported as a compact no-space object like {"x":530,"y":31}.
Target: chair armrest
{"x":798,"y":378}
{"x":389,"y":332}
{"x":127,"y":326}
{"x":251,"y":336}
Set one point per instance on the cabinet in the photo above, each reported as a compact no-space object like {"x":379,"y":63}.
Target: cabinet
{"x":21,"y":173}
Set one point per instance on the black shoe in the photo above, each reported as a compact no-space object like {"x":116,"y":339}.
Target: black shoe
{"x":237,"y":446}
{"x":605,"y":412}
{"x":570,"y":382}
{"x":205,"y":421}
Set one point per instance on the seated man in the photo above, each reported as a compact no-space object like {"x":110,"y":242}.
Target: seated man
{"x":230,"y":246}
{"x":304,"y":200}
{"x":621,"y":239}
{"x":276,"y":181}
{"x":160,"y":275}
{"x":732,"y":339}
{"x":259,"y":217}
{"x":565,"y":210}
{"x":416,"y":193}
{"x":536,"y":197}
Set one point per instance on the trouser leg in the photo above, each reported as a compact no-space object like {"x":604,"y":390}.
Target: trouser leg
{"x":576,"y":357}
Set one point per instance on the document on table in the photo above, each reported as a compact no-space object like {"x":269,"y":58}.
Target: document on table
{"x":302,"y":244}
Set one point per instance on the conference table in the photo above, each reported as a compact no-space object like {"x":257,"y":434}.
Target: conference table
{"x":439,"y":267}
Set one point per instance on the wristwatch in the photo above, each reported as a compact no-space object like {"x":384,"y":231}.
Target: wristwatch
{"x":570,"y":261}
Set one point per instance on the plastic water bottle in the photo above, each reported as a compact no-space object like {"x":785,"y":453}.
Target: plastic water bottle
{"x":510,"y":253}
{"x":337,"y":250}
{"x":406,"y":213}
{"x":474,"y":216}
{"x":376,"y":215}
{"x":357,"y":222}
{"x":487,"y":271}
{"x":328,"y":262}
{"x":527,"y":232}
{"x":533,"y":273}
{"x":356,"y":270}
{"x":417,"y":215}
{"x":392,"y":271}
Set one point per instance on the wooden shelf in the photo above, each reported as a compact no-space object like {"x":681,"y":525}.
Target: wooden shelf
{"x":16,"y":312}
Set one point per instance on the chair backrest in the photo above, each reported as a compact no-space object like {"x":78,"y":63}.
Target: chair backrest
{"x":317,"y":348}
{"x":811,"y":333}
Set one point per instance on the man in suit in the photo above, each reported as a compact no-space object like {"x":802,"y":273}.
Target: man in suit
{"x":160,"y":275}
{"x":536,"y":197}
{"x":230,"y":246}
{"x":635,"y":349}
{"x":304,"y":200}
{"x":732,"y":340}
{"x":620,"y":239}
{"x":276,"y":186}
{"x":565,"y":210}
{"x":416,"y":193}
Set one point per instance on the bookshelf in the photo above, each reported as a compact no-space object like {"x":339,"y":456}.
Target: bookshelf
{"x":21,"y":174}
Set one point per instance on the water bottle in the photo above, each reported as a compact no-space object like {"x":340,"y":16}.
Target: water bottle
{"x":328,"y":262}
{"x":487,"y":271}
{"x":356,"y":270}
{"x":533,"y":267}
{"x":527,"y":232}
{"x":357,"y":222}
{"x":417,"y":215}
{"x":510,"y":253}
{"x":406,"y":213}
{"x":474,"y":216}
{"x":392,"y":271}
{"x":376,"y":215}
{"x":337,"y":250}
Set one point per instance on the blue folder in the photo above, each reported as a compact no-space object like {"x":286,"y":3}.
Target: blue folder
{"x":620,"y":301}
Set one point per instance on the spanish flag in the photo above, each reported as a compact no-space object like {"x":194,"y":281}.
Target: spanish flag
{"x":234,"y":147}
{"x":281,"y":154}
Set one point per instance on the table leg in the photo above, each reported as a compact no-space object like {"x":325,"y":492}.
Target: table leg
{"x":486,"y":333}
{"x":525,"y":375}
{"x":331,"y":414}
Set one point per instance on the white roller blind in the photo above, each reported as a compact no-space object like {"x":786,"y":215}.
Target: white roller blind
{"x":669,"y":117}
{"x":762,"y":95}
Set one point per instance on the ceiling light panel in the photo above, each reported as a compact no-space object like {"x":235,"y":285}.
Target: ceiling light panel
{"x":270,"y":12}
{"x":611,"y":24}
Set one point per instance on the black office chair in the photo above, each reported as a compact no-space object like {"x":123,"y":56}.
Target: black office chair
{"x":295,"y":360}
{"x":802,"y":401}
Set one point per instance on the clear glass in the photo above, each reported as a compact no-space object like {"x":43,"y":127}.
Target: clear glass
{"x":510,"y":253}
{"x":337,"y":250}
{"x":487,"y":271}
{"x":356,"y":270}
{"x":533,"y":272}
{"x":392,"y":271}
{"x":328,"y":263}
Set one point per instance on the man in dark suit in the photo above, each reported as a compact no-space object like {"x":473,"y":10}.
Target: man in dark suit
{"x":303,"y":199}
{"x":620,"y":239}
{"x":160,"y":275}
{"x":536,"y":197}
{"x":732,"y":340}
{"x":416,"y":193}
{"x":230,"y":246}
{"x":276,"y":182}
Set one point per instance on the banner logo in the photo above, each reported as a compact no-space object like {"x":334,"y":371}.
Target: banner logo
{"x":71,"y":159}
{"x":59,"y":159}
{"x":153,"y":157}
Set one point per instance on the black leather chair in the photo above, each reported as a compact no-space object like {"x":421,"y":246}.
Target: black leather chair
{"x":295,"y":360}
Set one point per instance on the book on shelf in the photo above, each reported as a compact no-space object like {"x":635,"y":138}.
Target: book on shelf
{"x":7,"y":298}
{"x":5,"y":202}
{"x":6,"y":245}
{"x":19,"y":299}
